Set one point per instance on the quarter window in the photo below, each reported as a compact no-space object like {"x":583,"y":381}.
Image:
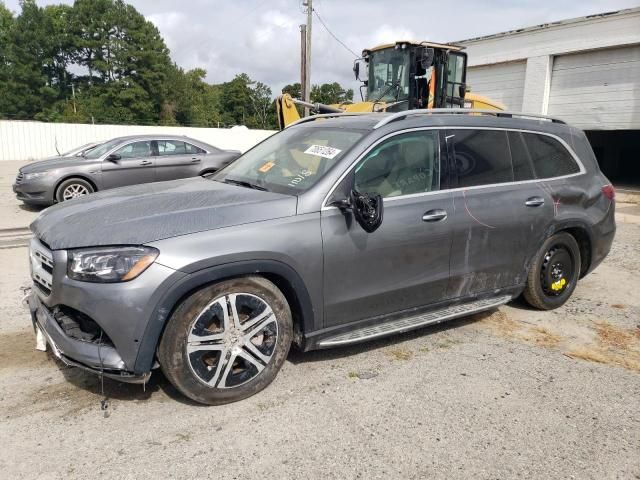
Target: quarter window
{"x":549,"y":157}
{"x":403,"y":165}
{"x":481,"y":157}
{"x":135,"y":150}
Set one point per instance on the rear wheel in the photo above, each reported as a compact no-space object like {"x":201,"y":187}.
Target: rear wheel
{"x":73,"y":188}
{"x":227,"y":341}
{"x":554,"y":273}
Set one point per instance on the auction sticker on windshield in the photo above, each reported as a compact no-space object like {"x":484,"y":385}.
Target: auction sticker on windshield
{"x":322,"y":151}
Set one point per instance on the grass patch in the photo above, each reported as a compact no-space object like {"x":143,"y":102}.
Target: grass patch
{"x":399,"y":353}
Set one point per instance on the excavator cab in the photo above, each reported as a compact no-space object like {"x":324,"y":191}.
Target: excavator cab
{"x":409,"y":75}
{"x":402,"y":76}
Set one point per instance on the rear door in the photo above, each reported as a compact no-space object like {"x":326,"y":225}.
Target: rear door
{"x":135,"y":165}
{"x":177,"y":159}
{"x":404,"y":263}
{"x":500,"y":211}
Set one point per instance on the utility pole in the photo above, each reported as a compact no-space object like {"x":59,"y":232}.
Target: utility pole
{"x":303,"y":61}
{"x":307,"y":60}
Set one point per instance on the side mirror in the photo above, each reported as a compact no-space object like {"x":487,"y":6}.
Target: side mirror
{"x":358,"y":69}
{"x":462,"y":90}
{"x":367,"y":209}
{"x":424,"y":57}
{"x":114,"y":157}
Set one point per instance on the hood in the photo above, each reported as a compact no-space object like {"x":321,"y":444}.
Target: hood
{"x":145,"y":213}
{"x":54,"y":163}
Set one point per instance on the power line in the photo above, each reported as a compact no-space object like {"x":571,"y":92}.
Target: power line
{"x":332,"y":34}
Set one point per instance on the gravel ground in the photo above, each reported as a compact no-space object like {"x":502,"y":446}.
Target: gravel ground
{"x":505,"y":394}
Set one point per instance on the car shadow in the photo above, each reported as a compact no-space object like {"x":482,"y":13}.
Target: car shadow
{"x":297,"y":356}
{"x":122,"y":391}
{"x":159,"y":388}
{"x":31,"y":208}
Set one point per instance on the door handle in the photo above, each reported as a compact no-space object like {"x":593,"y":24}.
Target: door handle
{"x":434,"y":215}
{"x":534,"y":202}
{"x":146,"y":162}
{"x":195,"y":160}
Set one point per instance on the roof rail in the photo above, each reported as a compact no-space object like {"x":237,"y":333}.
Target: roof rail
{"x":311,"y":118}
{"x":458,"y":111}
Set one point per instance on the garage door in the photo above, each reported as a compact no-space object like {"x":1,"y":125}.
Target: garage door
{"x":503,"y":82}
{"x":598,"y":90}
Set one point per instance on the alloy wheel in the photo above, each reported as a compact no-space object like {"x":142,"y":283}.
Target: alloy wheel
{"x":74,"y":190}
{"x":232,"y":340}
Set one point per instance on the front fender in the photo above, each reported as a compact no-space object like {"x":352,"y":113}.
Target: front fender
{"x":170,"y":300}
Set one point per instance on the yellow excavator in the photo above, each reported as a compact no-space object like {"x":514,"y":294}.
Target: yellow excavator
{"x":404,"y":75}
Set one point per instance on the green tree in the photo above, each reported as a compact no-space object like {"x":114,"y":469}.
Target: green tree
{"x":6,"y":24}
{"x":329,"y":93}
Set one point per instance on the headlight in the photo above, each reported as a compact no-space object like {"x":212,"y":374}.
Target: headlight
{"x":109,"y":265}
{"x":33,"y":176}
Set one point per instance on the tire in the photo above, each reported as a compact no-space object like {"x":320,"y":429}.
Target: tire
{"x":73,"y":188}
{"x":209,"y":359}
{"x":554,"y":274}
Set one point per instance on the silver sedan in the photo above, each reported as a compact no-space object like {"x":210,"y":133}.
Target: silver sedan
{"x":116,"y":163}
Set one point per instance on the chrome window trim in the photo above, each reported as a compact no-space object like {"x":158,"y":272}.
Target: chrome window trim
{"x":582,"y":171}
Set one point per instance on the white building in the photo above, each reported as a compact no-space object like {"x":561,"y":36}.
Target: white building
{"x":585,"y":71}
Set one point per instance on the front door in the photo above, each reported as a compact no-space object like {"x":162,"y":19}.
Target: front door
{"x":404,"y":264}
{"x":135,"y":165}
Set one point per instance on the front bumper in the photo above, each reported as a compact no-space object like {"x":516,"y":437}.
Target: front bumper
{"x":33,"y":192}
{"x":93,"y":357}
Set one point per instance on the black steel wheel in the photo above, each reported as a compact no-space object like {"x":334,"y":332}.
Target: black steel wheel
{"x":554,"y":272}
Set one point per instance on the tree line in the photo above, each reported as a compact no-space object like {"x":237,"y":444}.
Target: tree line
{"x":101,"y":61}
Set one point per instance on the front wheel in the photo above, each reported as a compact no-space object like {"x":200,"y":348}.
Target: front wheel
{"x":554,"y":274}
{"x":73,"y":188}
{"x":227,"y":341}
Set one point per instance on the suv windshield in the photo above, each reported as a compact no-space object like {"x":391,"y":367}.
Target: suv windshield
{"x":102,"y":149}
{"x":291,"y":161}
{"x":388,"y":75}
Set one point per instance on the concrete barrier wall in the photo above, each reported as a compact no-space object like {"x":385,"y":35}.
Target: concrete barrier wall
{"x":25,"y":140}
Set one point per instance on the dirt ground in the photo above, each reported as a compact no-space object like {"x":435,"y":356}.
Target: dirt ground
{"x":505,"y":394}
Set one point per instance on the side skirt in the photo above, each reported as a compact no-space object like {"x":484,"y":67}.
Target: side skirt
{"x":403,"y":322}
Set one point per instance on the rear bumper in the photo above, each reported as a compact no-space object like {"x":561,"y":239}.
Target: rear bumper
{"x":96,"y":358}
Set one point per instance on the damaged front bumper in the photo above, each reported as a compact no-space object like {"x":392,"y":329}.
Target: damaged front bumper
{"x":95,"y":357}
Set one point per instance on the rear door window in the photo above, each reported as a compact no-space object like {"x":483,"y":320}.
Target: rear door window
{"x":549,"y":157}
{"x":171,"y":147}
{"x":481,"y":157}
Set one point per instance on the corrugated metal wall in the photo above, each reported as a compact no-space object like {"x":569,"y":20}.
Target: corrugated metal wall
{"x":34,"y":140}
{"x":597,"y":90}
{"x":503,"y":82}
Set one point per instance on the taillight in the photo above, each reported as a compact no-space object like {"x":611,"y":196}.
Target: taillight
{"x":609,"y":191}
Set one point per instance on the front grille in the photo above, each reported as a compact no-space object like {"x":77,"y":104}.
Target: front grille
{"x":19,"y":178}
{"x":41,"y":266}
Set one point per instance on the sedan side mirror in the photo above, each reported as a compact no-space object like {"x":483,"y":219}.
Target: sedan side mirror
{"x":367,"y":209}
{"x":114,"y":157}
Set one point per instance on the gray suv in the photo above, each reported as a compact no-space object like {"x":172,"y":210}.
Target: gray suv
{"x":336,"y":230}
{"x":116,"y":163}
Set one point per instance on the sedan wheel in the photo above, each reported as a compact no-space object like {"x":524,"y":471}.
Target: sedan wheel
{"x":73,"y":188}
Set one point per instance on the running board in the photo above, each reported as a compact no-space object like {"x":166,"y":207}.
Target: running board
{"x":410,"y":323}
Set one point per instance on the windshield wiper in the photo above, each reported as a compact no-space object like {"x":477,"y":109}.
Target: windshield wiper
{"x":242,"y":183}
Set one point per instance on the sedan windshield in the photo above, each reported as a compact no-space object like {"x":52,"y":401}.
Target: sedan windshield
{"x":291,"y":161}
{"x":102,"y":149}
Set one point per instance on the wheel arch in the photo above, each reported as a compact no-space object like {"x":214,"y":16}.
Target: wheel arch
{"x":583,"y":236}
{"x":279,"y":273}
{"x":69,"y":177}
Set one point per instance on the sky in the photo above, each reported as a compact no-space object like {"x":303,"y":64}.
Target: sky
{"x":262,"y":37}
